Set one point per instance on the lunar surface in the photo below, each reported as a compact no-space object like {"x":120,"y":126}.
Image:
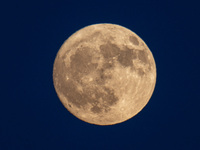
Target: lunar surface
{"x":104,"y":74}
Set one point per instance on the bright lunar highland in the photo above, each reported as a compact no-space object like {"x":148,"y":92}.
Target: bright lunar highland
{"x":104,"y":74}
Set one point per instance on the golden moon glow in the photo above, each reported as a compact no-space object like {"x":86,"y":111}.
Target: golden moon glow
{"x":104,"y":74}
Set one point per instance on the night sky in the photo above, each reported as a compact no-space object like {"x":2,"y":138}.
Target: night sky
{"x":31,"y":114}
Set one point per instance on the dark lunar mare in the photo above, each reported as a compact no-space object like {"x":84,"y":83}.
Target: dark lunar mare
{"x":142,"y":55}
{"x":81,"y":63}
{"x":124,"y":56}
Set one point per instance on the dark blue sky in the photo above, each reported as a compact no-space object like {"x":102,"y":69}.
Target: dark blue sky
{"x":33,"y":118}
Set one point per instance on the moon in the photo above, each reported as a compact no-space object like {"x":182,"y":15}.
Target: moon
{"x":104,"y":74}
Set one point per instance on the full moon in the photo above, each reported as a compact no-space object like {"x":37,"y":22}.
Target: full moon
{"x":104,"y":74}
